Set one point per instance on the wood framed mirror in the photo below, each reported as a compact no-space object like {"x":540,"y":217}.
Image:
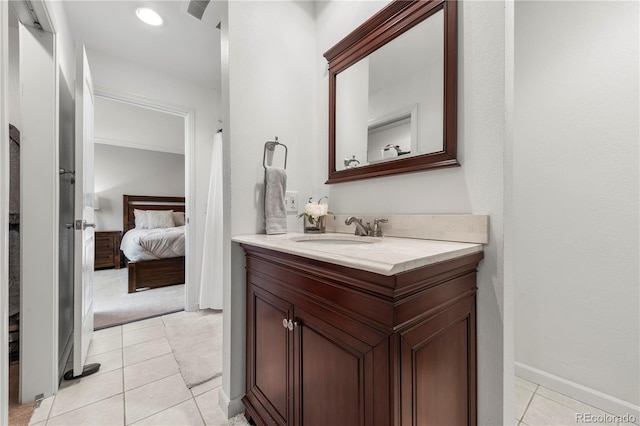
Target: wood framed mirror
{"x":393,"y":92}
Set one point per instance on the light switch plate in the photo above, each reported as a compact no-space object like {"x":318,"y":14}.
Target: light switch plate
{"x":291,"y":201}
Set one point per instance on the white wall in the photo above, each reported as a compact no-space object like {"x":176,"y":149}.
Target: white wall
{"x":576,"y":198}
{"x":271,"y":74}
{"x":121,"y":170}
{"x":125,"y":78}
{"x":132,"y":126}
{"x":476,"y":187}
{"x":272,"y":94}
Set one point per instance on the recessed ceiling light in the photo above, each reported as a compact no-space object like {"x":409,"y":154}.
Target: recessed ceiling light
{"x":149,"y":16}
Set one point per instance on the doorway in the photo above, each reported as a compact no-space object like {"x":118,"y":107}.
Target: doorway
{"x":140,"y":150}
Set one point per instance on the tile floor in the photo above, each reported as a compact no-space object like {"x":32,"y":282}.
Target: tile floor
{"x":138,"y":383}
{"x":538,"y":406}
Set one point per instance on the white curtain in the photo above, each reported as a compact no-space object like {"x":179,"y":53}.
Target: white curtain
{"x":211,"y":275}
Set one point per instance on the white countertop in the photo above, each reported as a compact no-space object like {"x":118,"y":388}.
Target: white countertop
{"x":386,"y":255}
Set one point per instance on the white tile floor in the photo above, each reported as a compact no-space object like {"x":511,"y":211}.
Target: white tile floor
{"x":538,"y":406}
{"x":138,"y":383}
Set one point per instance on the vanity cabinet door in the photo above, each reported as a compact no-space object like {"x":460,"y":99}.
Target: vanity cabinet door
{"x":334,"y":375}
{"x":437,"y":369}
{"x":269,"y":354}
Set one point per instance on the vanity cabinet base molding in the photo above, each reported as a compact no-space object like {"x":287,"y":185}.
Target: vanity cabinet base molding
{"x":329,"y":345}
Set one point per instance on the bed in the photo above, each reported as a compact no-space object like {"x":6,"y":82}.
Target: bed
{"x":154,"y":270}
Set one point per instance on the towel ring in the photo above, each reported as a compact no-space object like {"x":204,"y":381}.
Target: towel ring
{"x":271,"y":146}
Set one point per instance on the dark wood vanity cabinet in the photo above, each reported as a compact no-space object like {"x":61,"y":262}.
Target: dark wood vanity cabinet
{"x":329,"y":345}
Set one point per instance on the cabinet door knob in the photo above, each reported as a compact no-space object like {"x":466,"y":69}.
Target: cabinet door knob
{"x":290,"y":325}
{"x":285,"y":323}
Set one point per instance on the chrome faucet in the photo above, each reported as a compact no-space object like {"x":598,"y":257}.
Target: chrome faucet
{"x":361,"y":229}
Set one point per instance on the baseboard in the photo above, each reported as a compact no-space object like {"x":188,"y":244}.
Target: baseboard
{"x":228,"y":407}
{"x":597,"y":399}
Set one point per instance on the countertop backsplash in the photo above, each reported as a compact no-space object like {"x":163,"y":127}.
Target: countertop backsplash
{"x":466,"y":228}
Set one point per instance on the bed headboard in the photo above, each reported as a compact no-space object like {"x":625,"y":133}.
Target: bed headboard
{"x":147,"y":202}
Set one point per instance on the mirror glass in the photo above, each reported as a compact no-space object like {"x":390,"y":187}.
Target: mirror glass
{"x":390,"y":104}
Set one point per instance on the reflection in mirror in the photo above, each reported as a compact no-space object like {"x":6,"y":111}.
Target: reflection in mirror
{"x":390,"y":103}
{"x":393,"y":135}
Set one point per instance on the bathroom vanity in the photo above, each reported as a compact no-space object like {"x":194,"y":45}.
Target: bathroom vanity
{"x":346,"y":330}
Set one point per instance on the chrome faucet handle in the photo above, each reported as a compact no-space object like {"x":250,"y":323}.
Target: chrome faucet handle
{"x":377,"y":230}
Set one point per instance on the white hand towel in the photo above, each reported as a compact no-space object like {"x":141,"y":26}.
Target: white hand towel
{"x":274,"y":211}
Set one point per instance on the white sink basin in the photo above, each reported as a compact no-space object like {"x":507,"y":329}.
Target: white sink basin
{"x":335,"y":239}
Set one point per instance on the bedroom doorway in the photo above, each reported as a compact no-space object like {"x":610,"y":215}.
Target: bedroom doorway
{"x":142,"y":149}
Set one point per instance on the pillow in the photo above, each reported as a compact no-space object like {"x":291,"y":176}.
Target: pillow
{"x":160,"y":219}
{"x":178,"y":218}
{"x":141,"y":219}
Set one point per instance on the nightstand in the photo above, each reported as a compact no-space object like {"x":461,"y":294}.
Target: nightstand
{"x":107,"y":249}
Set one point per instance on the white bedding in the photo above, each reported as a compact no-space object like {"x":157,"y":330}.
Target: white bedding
{"x":149,"y":244}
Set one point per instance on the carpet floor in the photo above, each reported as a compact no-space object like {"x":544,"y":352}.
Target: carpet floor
{"x":19,"y":414}
{"x":113,"y":305}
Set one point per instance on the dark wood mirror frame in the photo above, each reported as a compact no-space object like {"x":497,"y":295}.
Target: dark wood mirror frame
{"x":392,"y":21}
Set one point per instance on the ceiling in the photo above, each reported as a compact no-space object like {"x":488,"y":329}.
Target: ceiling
{"x":183,"y":46}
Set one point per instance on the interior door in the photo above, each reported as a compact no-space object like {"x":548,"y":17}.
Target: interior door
{"x":84,"y":245}
{"x":39,"y":219}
